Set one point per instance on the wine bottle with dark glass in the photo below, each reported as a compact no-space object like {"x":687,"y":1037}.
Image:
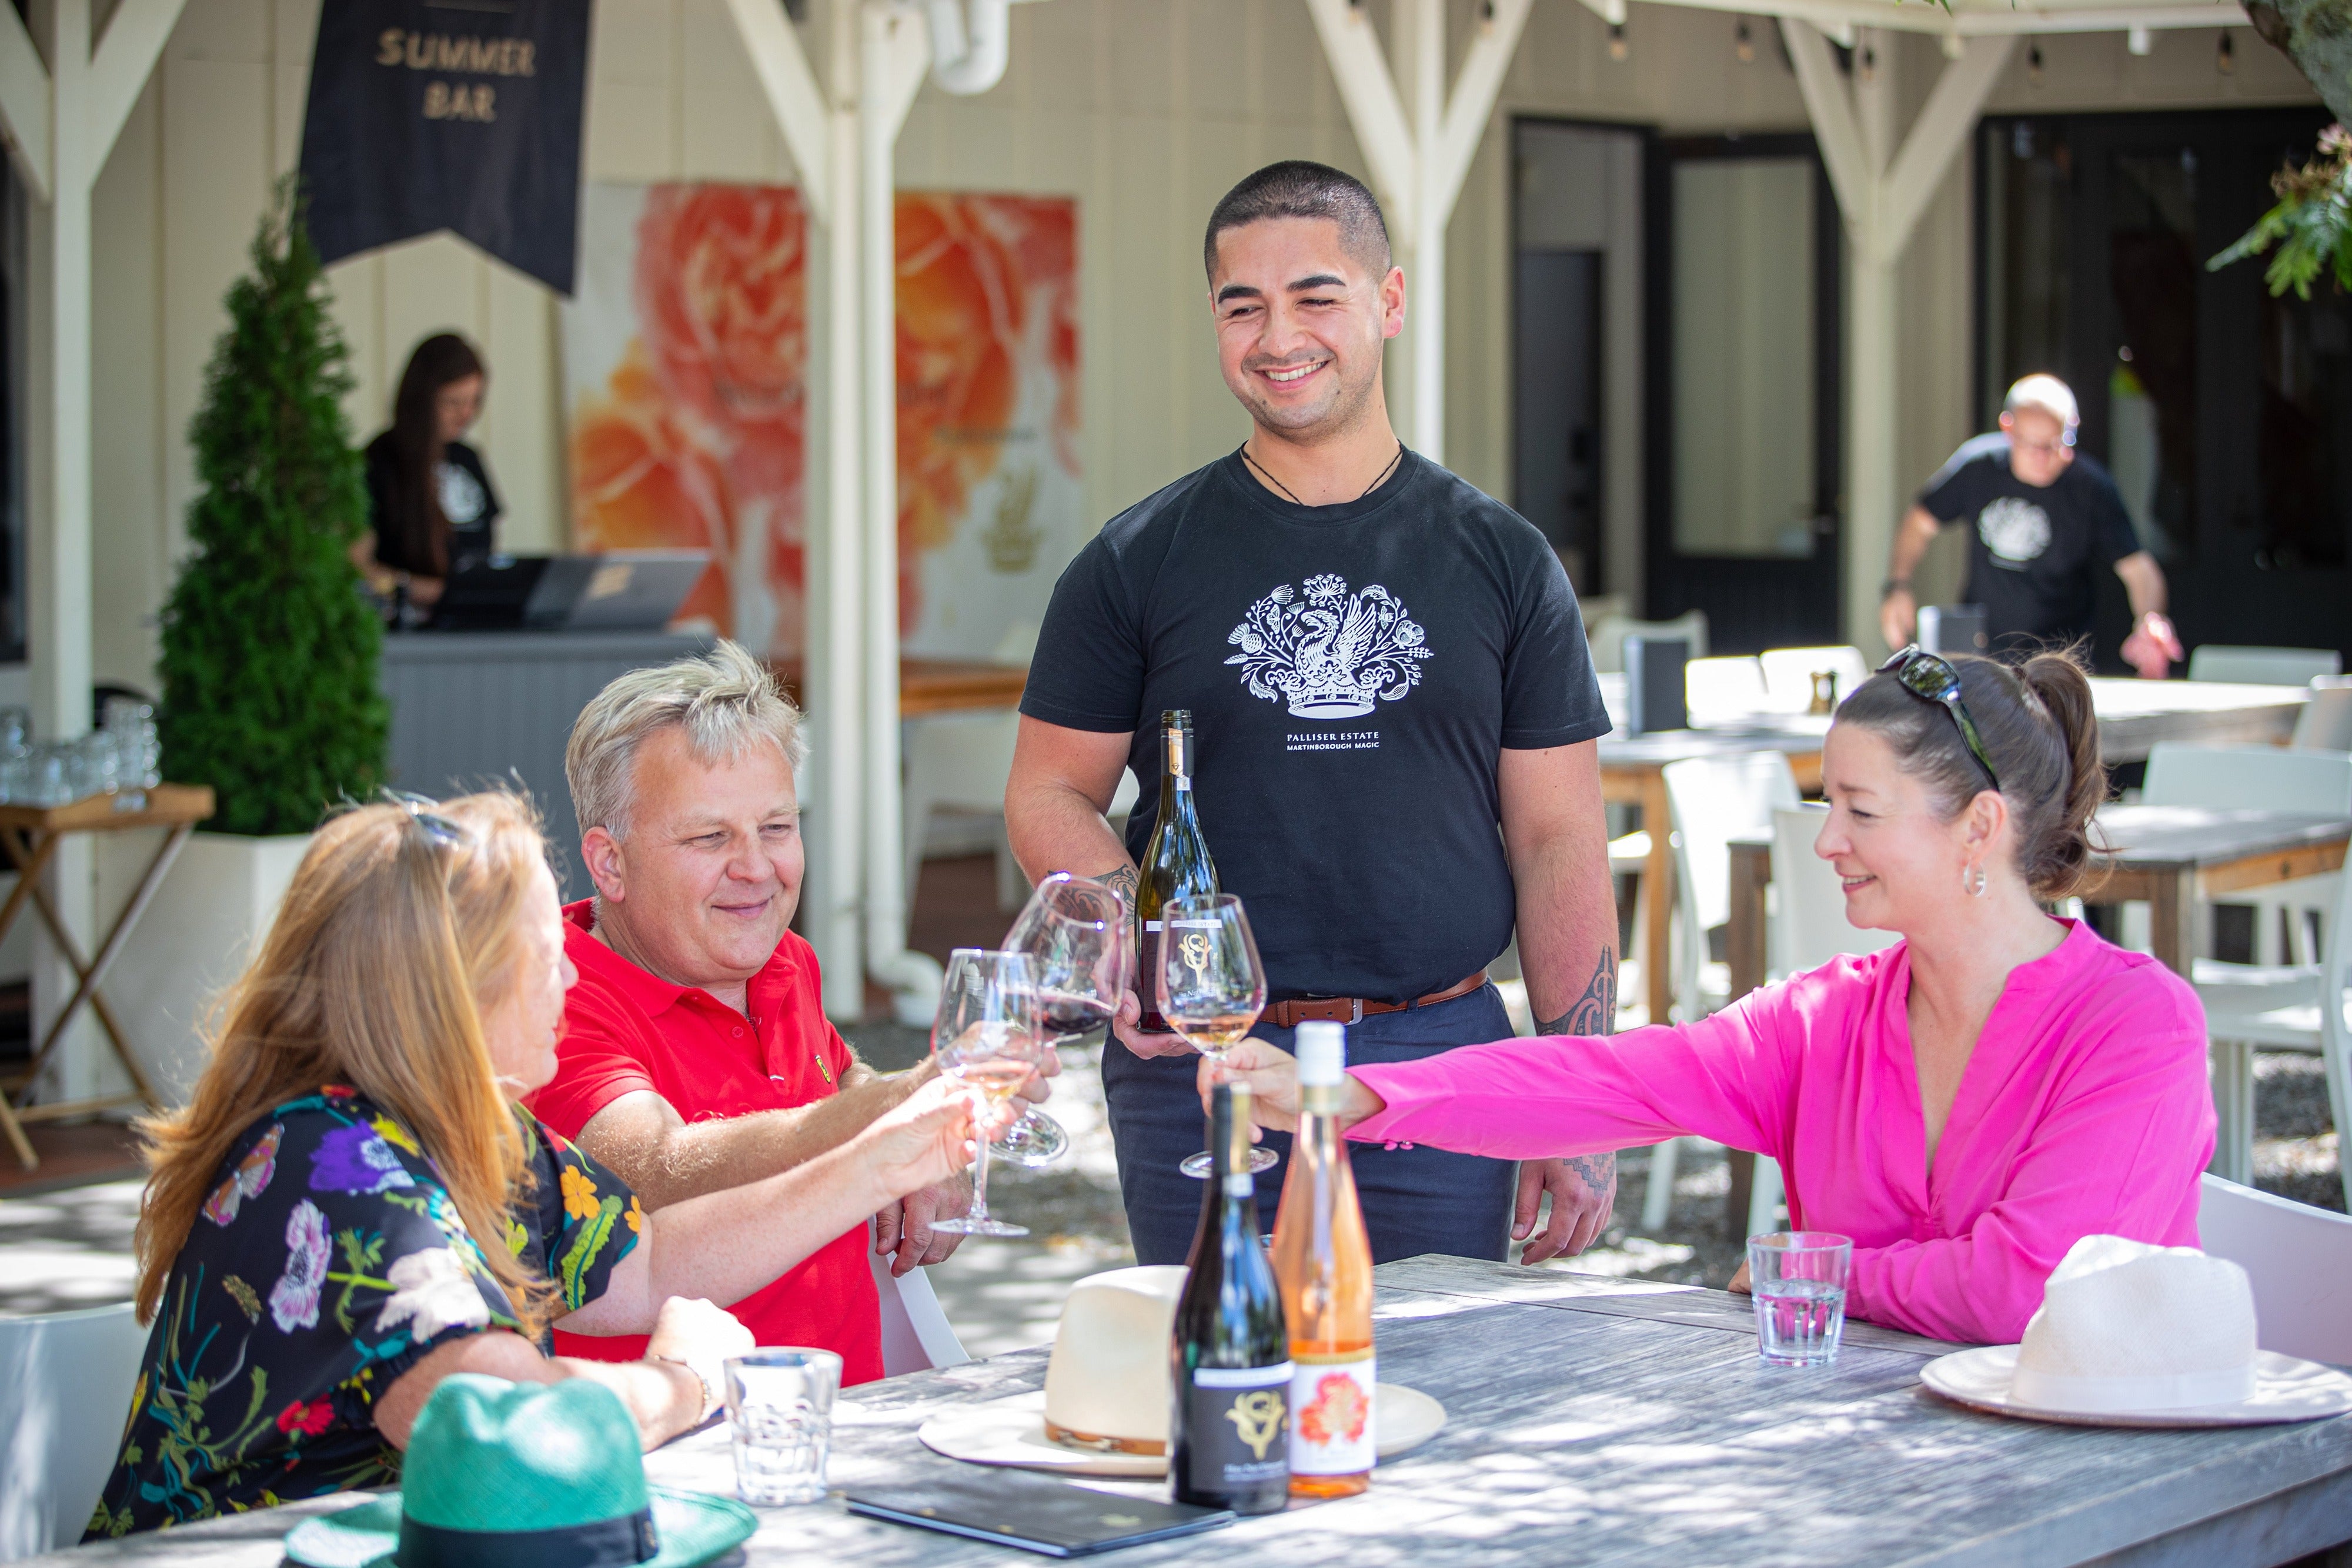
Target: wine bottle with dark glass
{"x":1323,"y":1264}
{"x":1230,"y":1353}
{"x":1176,"y":862}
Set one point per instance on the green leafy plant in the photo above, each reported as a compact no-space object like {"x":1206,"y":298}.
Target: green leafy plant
{"x":269,"y":652}
{"x":2310,"y":224}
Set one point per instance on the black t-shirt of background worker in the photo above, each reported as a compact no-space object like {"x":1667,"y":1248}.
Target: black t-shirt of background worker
{"x":1354,"y":672}
{"x":467,"y":499}
{"x":2033,"y":552}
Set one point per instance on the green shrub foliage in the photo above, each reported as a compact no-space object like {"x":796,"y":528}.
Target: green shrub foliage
{"x":269,"y":651}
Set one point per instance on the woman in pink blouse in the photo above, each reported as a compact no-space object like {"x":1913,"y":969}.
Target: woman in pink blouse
{"x":1964,"y":1105}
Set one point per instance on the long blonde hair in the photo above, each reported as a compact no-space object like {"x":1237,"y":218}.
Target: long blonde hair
{"x":394,"y":937}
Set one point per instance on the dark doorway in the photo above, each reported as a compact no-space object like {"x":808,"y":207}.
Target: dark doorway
{"x":2224,"y":414}
{"x":1556,"y":444}
{"x":1744,"y":403}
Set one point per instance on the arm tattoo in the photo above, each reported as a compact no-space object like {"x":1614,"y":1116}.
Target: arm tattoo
{"x":1595,"y":1012}
{"x":1598,"y":1172}
{"x":1121,"y":881}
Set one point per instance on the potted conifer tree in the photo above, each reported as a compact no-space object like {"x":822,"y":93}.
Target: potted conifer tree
{"x":269,"y":652}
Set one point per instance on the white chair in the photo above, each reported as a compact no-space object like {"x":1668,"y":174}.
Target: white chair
{"x":2260,"y":779}
{"x":2299,"y":1261}
{"x":1609,"y":632}
{"x":1709,"y":799}
{"x":1788,"y":673}
{"x":1728,"y":688}
{"x":64,"y":1388}
{"x":915,"y":1333}
{"x":2325,"y":721}
{"x":2298,"y":1007}
{"x":2262,"y":666}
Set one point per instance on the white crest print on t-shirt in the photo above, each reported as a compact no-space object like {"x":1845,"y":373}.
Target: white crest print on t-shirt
{"x":1328,"y":654}
{"x":2014,"y":530}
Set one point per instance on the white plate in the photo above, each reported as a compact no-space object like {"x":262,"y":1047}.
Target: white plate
{"x":1012,"y":1432}
{"x":2285,"y":1389}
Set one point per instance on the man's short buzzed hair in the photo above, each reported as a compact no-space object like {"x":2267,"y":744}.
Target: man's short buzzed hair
{"x":1295,"y":188}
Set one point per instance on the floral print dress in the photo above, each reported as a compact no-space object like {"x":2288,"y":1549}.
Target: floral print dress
{"x":327,"y":1261}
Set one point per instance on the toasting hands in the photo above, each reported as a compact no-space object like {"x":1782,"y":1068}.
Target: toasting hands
{"x":1272,"y":1074}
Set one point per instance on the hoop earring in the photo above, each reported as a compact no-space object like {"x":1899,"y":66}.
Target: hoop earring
{"x":1972,"y":878}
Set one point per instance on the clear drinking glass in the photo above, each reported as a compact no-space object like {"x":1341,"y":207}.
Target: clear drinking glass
{"x":1799,"y":1279}
{"x":1076,"y":934}
{"x":986,"y":1039}
{"x":1215,"y":986}
{"x":780,"y":1411}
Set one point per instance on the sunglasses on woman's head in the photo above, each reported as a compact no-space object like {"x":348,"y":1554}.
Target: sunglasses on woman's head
{"x":426,"y":813}
{"x":1931,"y":678}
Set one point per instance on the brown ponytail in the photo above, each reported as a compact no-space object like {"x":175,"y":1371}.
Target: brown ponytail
{"x":2042,"y":739}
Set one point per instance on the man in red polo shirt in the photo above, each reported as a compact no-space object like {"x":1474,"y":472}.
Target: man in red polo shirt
{"x":696,"y":1055}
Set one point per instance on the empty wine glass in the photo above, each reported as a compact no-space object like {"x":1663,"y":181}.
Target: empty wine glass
{"x":1215,"y":986}
{"x":986,"y":1039}
{"x":1076,"y":934}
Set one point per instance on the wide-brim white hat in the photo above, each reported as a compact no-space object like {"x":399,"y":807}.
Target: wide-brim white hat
{"x":2131,"y":1334}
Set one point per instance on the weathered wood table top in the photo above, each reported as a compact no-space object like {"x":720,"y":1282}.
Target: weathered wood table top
{"x":1602,"y":1421}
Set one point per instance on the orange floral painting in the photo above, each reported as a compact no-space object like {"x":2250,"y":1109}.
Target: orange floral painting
{"x":686,"y":363}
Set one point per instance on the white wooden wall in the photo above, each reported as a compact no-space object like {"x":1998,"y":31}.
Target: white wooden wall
{"x":1144,"y":110}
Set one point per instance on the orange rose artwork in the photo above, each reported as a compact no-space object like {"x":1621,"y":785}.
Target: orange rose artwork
{"x":693,"y":430}
{"x":1338,"y":1411}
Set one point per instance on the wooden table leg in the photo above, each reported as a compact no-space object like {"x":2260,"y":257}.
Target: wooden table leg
{"x":29,"y":859}
{"x":1658,"y":885}
{"x":2172,"y":919}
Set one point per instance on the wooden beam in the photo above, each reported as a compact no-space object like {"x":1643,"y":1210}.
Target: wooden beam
{"x":1937,"y":135}
{"x":793,"y":97}
{"x":1836,"y":130}
{"x":1375,"y":113}
{"x":1475,"y":88}
{"x":25,"y":96}
{"x":120,"y":65}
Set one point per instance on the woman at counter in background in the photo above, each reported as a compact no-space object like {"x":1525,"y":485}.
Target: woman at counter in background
{"x":430,"y":503}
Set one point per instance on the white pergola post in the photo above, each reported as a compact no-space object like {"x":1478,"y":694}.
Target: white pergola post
{"x":1420,"y":160}
{"x":64,"y":96}
{"x":1881,"y":192}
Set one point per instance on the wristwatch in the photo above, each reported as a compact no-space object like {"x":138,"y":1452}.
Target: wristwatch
{"x":710,"y":1400}
{"x":1894,"y":585}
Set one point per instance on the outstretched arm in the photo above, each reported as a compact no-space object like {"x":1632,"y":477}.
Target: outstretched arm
{"x":2153,"y":645}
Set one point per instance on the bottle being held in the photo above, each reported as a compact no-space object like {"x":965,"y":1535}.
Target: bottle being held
{"x":1229,"y":1357}
{"x":1323,"y":1265}
{"x":1176,"y":862}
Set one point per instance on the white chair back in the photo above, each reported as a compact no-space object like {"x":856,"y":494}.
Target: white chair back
{"x":1609,"y":632}
{"x":2249,"y":778}
{"x":1710,"y":798}
{"x":64,"y":1388}
{"x":1810,"y":928}
{"x":915,"y":1333}
{"x":955,"y":759}
{"x":2325,"y":721}
{"x":1788,"y":673}
{"x":1726,"y":687}
{"x":2299,"y":1259}
{"x":2262,"y":666}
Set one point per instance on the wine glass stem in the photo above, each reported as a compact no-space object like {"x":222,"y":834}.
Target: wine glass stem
{"x":980,"y":1176}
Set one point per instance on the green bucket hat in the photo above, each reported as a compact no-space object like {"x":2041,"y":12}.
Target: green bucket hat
{"x":523,"y":1475}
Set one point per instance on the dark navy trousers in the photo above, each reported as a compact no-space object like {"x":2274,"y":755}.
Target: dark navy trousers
{"x":1415,"y":1200}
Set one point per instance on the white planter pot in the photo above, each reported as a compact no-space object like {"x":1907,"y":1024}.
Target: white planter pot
{"x":207,"y":920}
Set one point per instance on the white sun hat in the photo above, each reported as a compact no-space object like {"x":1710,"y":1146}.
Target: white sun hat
{"x":2131,"y":1334}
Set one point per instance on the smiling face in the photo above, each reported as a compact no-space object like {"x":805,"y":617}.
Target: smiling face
{"x":704,"y":886}
{"x":2037,"y":452}
{"x":521,"y":1022}
{"x":1902,"y":864}
{"x":1300,"y":323}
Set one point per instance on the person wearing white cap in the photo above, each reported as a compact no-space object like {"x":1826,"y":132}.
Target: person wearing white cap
{"x":2044,"y":519}
{"x":1966,"y":1105}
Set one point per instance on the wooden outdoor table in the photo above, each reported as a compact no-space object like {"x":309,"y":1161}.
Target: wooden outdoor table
{"x":1596,"y":1421}
{"x":939,"y":685}
{"x":29,"y":835}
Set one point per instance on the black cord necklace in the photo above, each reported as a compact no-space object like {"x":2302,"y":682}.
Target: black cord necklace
{"x":1378,"y":480}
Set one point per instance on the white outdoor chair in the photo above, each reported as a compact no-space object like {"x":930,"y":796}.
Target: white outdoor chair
{"x":2325,"y":721}
{"x":1609,"y":632}
{"x":1710,"y":798}
{"x":2262,"y":666}
{"x":1724,"y":688}
{"x":2299,"y":1261}
{"x":1788,"y":673}
{"x":64,"y":1388}
{"x":2294,"y":1007}
{"x":2258,"y":779}
{"x":915,"y":1333}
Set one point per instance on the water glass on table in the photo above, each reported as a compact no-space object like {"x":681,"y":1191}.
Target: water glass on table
{"x":1799,"y":1279}
{"x":780,"y":1412}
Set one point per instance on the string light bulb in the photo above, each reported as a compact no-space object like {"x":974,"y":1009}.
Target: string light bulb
{"x":2225,"y":56}
{"x":1866,"y":65}
{"x":2033,"y":66}
{"x":1619,"y":47}
{"x":1743,"y":44}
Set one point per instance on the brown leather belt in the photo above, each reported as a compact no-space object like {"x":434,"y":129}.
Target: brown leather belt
{"x":1351,"y":1009}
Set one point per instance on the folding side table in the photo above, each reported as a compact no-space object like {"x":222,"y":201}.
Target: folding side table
{"x":29,"y":836}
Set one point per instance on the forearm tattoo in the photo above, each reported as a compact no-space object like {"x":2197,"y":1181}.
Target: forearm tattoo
{"x":1121,"y":881}
{"x":1595,"y":1011}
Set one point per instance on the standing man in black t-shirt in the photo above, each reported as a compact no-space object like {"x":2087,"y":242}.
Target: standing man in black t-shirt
{"x":2043,"y":520}
{"x":1395,"y":716}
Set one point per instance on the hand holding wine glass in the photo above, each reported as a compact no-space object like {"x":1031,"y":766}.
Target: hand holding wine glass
{"x":1075,"y":933}
{"x":985,"y":1037}
{"x":1215,"y":985}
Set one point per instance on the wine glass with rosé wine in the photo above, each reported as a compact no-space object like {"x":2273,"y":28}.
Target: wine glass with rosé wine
{"x":1215,"y":987}
{"x":986,"y":1039}
{"x":1075,"y":933}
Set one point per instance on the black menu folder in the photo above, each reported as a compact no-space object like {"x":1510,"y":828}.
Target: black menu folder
{"x":1033,"y":1512}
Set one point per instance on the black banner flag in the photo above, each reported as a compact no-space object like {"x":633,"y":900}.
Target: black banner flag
{"x":450,"y":114}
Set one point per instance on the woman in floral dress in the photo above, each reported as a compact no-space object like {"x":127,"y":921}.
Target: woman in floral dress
{"x":351,"y":1207}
